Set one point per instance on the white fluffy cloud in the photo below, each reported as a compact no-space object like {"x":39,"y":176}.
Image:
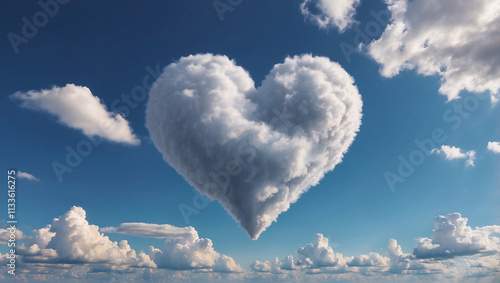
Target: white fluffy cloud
{"x":255,"y":150}
{"x":319,"y":254}
{"x":403,"y":263}
{"x":455,"y":39}
{"x":452,"y":152}
{"x":494,"y":147}
{"x":71,"y":239}
{"x":371,"y":259}
{"x":76,"y":107}
{"x":330,"y":13}
{"x":452,"y":237}
{"x":150,"y":230}
{"x":28,"y":176}
{"x":70,"y":248}
{"x":275,"y":266}
{"x":455,"y":252}
{"x":190,"y":253}
{"x":183,"y":250}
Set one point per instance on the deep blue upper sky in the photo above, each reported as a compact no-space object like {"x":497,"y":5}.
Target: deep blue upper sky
{"x":106,"y":46}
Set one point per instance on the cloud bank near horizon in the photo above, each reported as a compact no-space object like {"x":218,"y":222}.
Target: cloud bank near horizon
{"x":70,"y":239}
{"x":70,"y":247}
{"x":454,"y":251}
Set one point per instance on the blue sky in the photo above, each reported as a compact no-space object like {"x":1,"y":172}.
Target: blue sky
{"x":107,"y":48}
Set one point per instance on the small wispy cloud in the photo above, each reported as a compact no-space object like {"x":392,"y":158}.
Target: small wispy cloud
{"x":494,"y":147}
{"x":452,"y":152}
{"x":28,"y":176}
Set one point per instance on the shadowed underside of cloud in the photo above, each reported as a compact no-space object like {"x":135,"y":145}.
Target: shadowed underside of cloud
{"x":255,"y":150}
{"x":455,"y":39}
{"x":76,"y":107}
{"x":330,"y":13}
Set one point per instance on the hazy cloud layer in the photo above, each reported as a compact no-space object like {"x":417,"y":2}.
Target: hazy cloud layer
{"x":28,"y":176}
{"x":254,"y":150}
{"x":452,"y":152}
{"x":455,"y":39}
{"x":151,"y":230}
{"x":76,"y":107}
{"x":330,"y":13}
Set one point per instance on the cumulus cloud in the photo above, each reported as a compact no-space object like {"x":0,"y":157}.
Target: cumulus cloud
{"x":452,"y":152}
{"x":455,"y":39}
{"x":275,"y":266}
{"x":189,"y":253}
{"x":403,"y":263}
{"x":330,"y":13}
{"x":494,"y":147}
{"x":76,"y":107}
{"x":150,"y":230}
{"x":70,"y":248}
{"x":71,"y":239}
{"x":255,"y":150}
{"x":452,"y":237}
{"x":371,"y":259}
{"x":5,"y":235}
{"x":28,"y":176}
{"x":455,"y":252}
{"x":319,"y":254}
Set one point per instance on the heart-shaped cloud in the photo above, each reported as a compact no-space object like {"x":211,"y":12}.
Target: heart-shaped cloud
{"x":255,"y":150}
